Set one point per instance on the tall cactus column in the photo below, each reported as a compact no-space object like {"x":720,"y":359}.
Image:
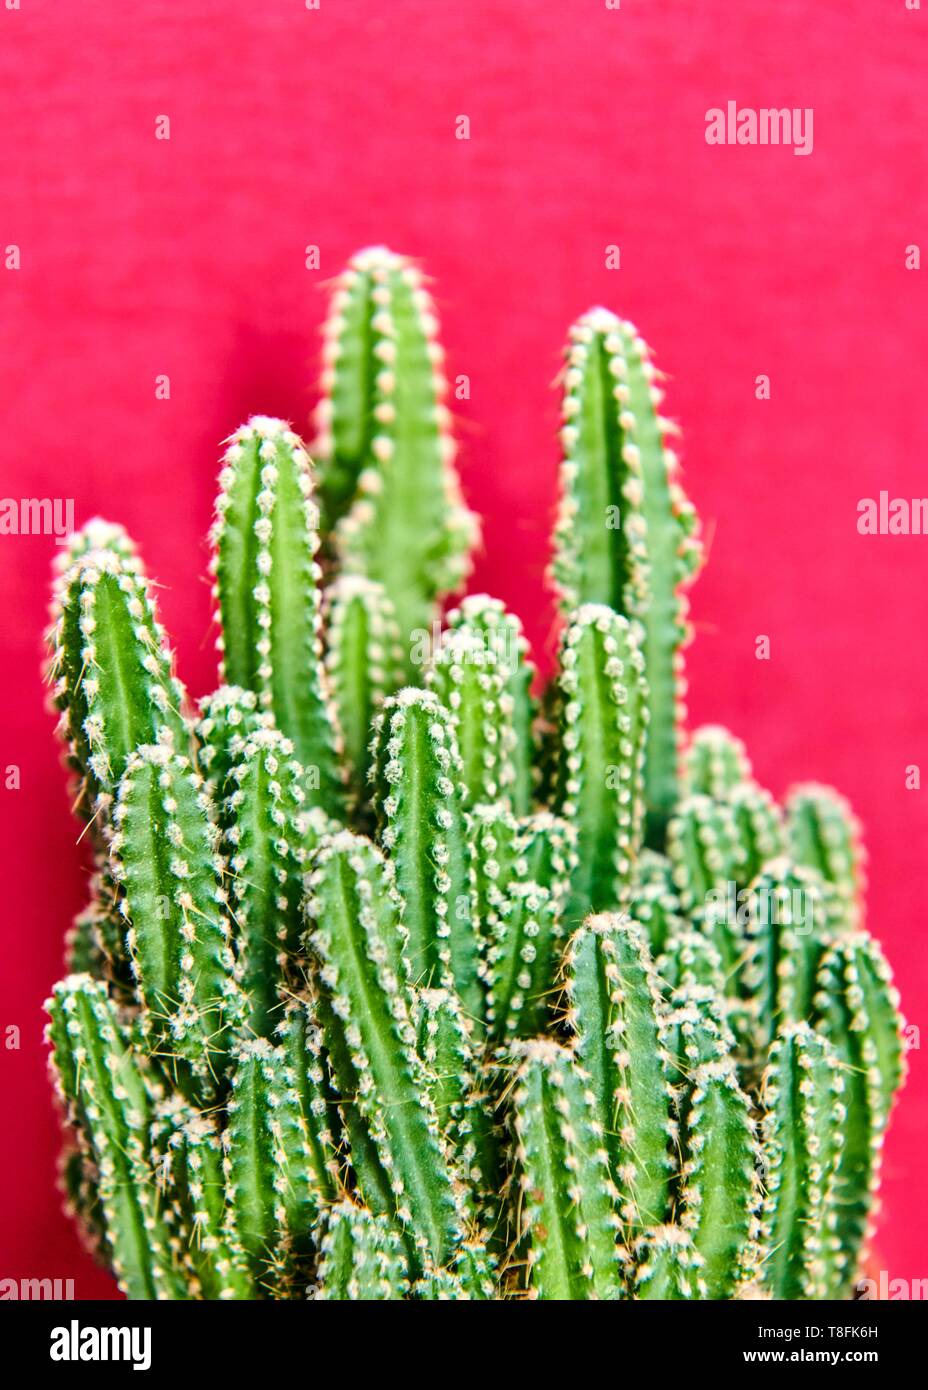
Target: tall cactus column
{"x":266,"y":538}
{"x":384,"y":444}
{"x":602,"y":716}
{"x":626,"y":532}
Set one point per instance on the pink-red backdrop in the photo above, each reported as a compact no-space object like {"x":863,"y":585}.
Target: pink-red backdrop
{"x":336,"y":127}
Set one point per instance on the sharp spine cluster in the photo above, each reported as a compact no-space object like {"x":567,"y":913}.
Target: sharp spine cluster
{"x":461,"y":991}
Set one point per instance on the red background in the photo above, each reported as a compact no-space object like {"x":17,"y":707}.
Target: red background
{"x":335,"y":127}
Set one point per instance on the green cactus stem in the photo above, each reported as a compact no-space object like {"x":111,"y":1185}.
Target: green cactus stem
{"x":696,"y":1032}
{"x":708,"y":859}
{"x":229,"y":713}
{"x":521,"y":876}
{"x":469,"y":677}
{"x":264,"y":815}
{"x":518,"y":711}
{"x":362,"y":1005}
{"x":715,"y":763}
{"x":111,"y":671}
{"x":825,"y":834}
{"x":472,"y":1278}
{"x":666,"y":1265}
{"x":364,"y":661}
{"x":108,"y":1101}
{"x":278,"y":1160}
{"x":96,"y":943}
{"x":164,"y":852}
{"x":706,"y":851}
{"x":614,"y":1010}
{"x":79,"y":1181}
{"x":96,"y":534}
{"x":361,"y":1259}
{"x":417,"y":777}
{"x":803,"y":1096}
{"x":603,"y":717}
{"x":443,"y":1043}
{"x":626,"y":533}
{"x":372,"y":1042}
{"x":857,"y":1009}
{"x":760,"y":829}
{"x":786,"y":933}
{"x":191,"y":1179}
{"x":690,"y":957}
{"x":546,"y":850}
{"x":384,"y":443}
{"x":265,"y":539}
{"x":600,"y":554}
{"x":654,"y":902}
{"x":720,"y":1184}
{"x":495,"y":862}
{"x":463,"y":1099}
{"x":569,"y":1218}
{"x":521,"y":963}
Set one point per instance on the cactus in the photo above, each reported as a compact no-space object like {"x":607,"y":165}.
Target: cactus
{"x":163,"y":852}
{"x":518,"y":709}
{"x":404,"y":979}
{"x":615,"y":1014}
{"x":570,"y":1217}
{"x":112,"y":672}
{"x":803,"y":1129}
{"x":786,"y":934}
{"x":602,"y":719}
{"x":384,"y":442}
{"x":108,"y":1099}
{"x":717,"y":1138}
{"x":228,"y":713}
{"x":825,"y":834}
{"x":856,"y":1007}
{"x":626,"y":532}
{"x":361,"y":1257}
{"x":265,"y":540}
{"x":364,"y":662}
{"x":266,"y":827}
{"x":417,"y":774}
{"x":715,"y":763}
{"x":469,"y":676}
{"x":276,"y":1186}
{"x":370,"y":1035}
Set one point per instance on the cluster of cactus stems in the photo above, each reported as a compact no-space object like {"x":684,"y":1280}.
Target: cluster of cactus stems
{"x":404,"y":979}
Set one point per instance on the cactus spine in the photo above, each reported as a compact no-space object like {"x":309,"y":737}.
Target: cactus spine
{"x":401,"y":979}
